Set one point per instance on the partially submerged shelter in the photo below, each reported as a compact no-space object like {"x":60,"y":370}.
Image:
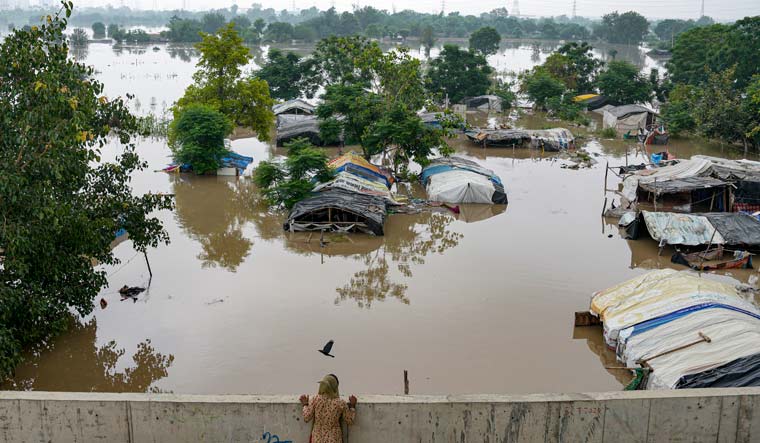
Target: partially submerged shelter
{"x":590,"y":101}
{"x":555,"y":139}
{"x":484,"y":103}
{"x":683,"y":330}
{"x":306,"y":127}
{"x":716,"y":228}
{"x":294,"y":107}
{"x":499,"y":137}
{"x":627,"y":118}
{"x":357,"y":165}
{"x":338,"y":210}
{"x":690,"y":194}
{"x":458,"y":180}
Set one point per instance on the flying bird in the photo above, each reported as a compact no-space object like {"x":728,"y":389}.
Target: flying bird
{"x":326,"y":350}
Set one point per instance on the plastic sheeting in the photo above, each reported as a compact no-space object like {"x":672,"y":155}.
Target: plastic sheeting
{"x":307,"y":127}
{"x":499,"y":137}
{"x":679,"y":185}
{"x":484,"y":103}
{"x":681,"y":229}
{"x":349,"y":211}
{"x":555,"y":139}
{"x":458,"y":186}
{"x":356,"y":164}
{"x":296,"y":106}
{"x":682,"y":169}
{"x":354,"y":183}
{"x":736,"y":228}
{"x":663,"y":317}
{"x":741,"y":372}
{"x":444,"y":164}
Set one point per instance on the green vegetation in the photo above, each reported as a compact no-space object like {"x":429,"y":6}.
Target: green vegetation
{"x":485,"y":40}
{"x":78,"y":37}
{"x":286,"y":183}
{"x":60,"y":204}
{"x":622,"y":83}
{"x":607,"y":133}
{"x":458,"y":73}
{"x":540,"y":86}
{"x":629,"y":28}
{"x":714,"y":73}
{"x":196,"y":137}
{"x":218,"y":83}
{"x":98,"y":30}
{"x":284,"y":74}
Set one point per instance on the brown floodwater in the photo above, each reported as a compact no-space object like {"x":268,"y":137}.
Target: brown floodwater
{"x":479,"y":302}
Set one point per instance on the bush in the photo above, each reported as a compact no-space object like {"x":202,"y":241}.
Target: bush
{"x":196,"y":137}
{"x":608,"y":133}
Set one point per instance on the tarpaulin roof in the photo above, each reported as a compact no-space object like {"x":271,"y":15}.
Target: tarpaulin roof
{"x":351,"y":211}
{"x":732,"y":169}
{"x":682,"y":169}
{"x":484,"y":102}
{"x":584,"y":97}
{"x":736,"y":228}
{"x":355,"y":183}
{"x":554,"y":139}
{"x":364,"y":168}
{"x":293,"y":105}
{"x":741,"y":372}
{"x":658,"y":317}
{"x":235,"y":160}
{"x":681,"y":229}
{"x":626,"y":110}
{"x":679,"y":185}
{"x":499,"y":136}
{"x":307,"y":127}
{"x":444,"y":164}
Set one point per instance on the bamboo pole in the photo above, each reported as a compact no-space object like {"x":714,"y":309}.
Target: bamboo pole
{"x":406,"y":382}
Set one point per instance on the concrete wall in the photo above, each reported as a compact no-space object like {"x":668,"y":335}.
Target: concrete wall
{"x":699,"y":415}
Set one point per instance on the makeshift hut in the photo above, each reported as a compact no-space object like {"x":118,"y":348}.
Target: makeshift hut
{"x":627,"y":118}
{"x":484,"y":103}
{"x":591,"y":101}
{"x":232,"y":164}
{"x":683,"y":330}
{"x":458,"y":180}
{"x":555,"y":139}
{"x":291,"y":129}
{"x":359,"y":166}
{"x":734,"y":229}
{"x":499,"y":137}
{"x":338,"y":210}
{"x":294,"y":107}
{"x":690,"y":194}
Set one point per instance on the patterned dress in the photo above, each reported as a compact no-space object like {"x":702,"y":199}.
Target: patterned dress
{"x":326,"y":413}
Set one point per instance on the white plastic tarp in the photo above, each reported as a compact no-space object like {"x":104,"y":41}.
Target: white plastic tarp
{"x":655,"y":294}
{"x":460,"y":186}
{"x":630,"y":123}
{"x":682,"y":169}
{"x":681,"y":229}
{"x":354,"y":183}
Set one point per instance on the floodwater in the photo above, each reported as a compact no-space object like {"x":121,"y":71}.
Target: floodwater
{"x":479,"y":302}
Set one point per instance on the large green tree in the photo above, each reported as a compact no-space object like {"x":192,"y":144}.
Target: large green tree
{"x":284,"y":74}
{"x":219,"y":83}
{"x":60,"y":204}
{"x":98,"y":30}
{"x":196,"y":137}
{"x":629,"y":28}
{"x":622,"y":83}
{"x":582,"y":65}
{"x":458,"y":73}
{"x":485,"y":40}
{"x":540,"y":86}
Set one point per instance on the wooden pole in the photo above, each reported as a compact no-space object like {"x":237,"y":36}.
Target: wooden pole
{"x":148,"y":263}
{"x":702,"y":256}
{"x":605,"y":206}
{"x":655,"y":194}
{"x":702,"y":338}
{"x":606,"y":172}
{"x":406,"y":382}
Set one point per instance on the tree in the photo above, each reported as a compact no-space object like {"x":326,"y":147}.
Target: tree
{"x":212,"y":22}
{"x":218,"y":83}
{"x":485,"y":40}
{"x":112,"y":29}
{"x":60,"y":204}
{"x":341,"y":60}
{"x":457,"y":73}
{"x":583,"y":66}
{"x":629,"y":28}
{"x":622,"y":83}
{"x":427,"y":38}
{"x":283,"y":73}
{"x":241,"y":24}
{"x":669,"y":29}
{"x":719,"y":112}
{"x":98,"y":30}
{"x":540,"y":86}
{"x":677,"y":110}
{"x":279,"y":32}
{"x":196,"y":137}
{"x":183,"y":30}
{"x":78,"y":37}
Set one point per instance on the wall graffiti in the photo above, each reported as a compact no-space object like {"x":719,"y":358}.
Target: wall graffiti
{"x":271,"y":438}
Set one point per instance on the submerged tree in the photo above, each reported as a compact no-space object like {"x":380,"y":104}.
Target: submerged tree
{"x":622,"y":83}
{"x":98,"y":30}
{"x":59,"y":204}
{"x":283,"y":73}
{"x":219,"y":83}
{"x":458,"y":73}
{"x":78,"y":37}
{"x":485,"y":40}
{"x":196,"y":137}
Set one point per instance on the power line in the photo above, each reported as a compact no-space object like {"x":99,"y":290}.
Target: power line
{"x":516,"y":8}
{"x":575,"y":4}
{"x":702,"y":11}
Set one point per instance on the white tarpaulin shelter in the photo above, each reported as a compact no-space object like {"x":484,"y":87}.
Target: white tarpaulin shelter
{"x":677,"y":323}
{"x":458,"y":186}
{"x":626,"y":118}
{"x":682,"y":169}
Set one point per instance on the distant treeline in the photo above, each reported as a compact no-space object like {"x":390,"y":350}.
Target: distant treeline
{"x":258,"y":24}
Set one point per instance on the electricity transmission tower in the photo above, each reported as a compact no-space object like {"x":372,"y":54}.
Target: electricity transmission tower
{"x":516,"y":8}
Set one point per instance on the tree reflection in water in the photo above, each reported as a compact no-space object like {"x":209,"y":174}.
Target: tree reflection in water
{"x":75,"y":363}
{"x":211,"y":211}
{"x":183,"y":52}
{"x":408,"y":240}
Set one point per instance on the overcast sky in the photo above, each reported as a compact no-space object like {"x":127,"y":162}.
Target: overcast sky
{"x":718,"y":9}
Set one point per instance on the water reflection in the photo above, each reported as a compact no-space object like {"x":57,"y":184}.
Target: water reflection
{"x":79,"y":52}
{"x":75,"y":363}
{"x":209,"y":210}
{"x":595,"y":342}
{"x":184,"y":53}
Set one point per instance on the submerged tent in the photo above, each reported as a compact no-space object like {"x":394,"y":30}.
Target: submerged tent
{"x":338,"y":210}
{"x":555,"y":139}
{"x":716,"y":228}
{"x":291,"y":129}
{"x":296,"y":106}
{"x":498,"y":137}
{"x":484,"y":103}
{"x":356,"y":164}
{"x":681,"y":325}
{"x":356,"y":183}
{"x":591,"y":101}
{"x":457,"y":180}
{"x":627,"y":118}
